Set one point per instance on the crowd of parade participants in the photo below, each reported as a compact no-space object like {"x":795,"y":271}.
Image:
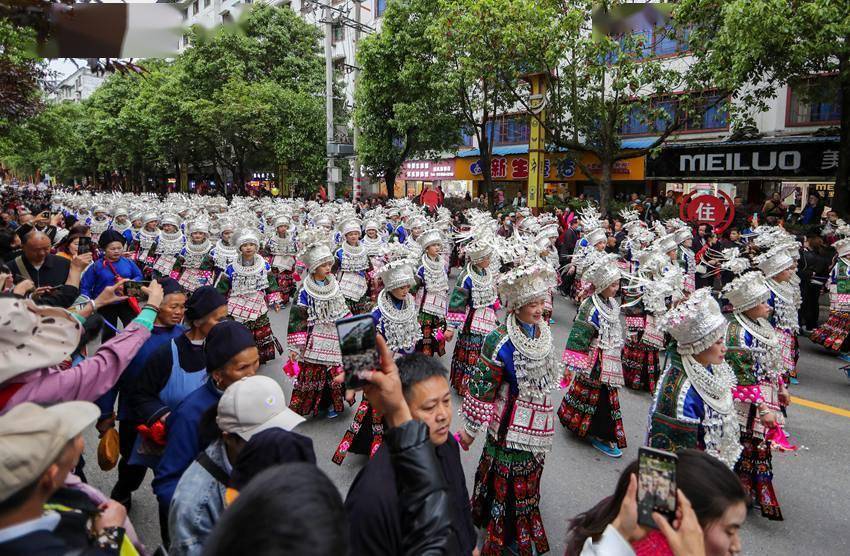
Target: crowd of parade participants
{"x":706,"y":326}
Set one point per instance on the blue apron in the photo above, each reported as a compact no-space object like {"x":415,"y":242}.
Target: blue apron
{"x":180,"y":384}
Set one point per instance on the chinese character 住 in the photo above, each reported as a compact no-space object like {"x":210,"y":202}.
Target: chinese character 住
{"x":705,"y":212}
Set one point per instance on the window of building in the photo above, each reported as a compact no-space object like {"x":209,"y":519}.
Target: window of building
{"x":708,"y":114}
{"x":195,"y":7}
{"x":206,"y":3}
{"x":467,"y":138}
{"x":652,"y":42}
{"x":338,"y":32}
{"x":814,"y":101}
{"x":380,"y":7}
{"x":511,"y":129}
{"x":185,"y":14}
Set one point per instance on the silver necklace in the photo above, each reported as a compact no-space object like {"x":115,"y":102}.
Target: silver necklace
{"x":328,"y":302}
{"x":436,"y":279}
{"x":535,"y":364}
{"x":760,"y":329}
{"x":354,"y":258}
{"x":715,"y":388}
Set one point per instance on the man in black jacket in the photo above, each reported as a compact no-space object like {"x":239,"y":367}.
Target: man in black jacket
{"x":37,"y":264}
{"x":373,"y":502}
{"x":813,"y":270}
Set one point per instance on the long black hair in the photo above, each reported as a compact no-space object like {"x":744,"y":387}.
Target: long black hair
{"x":709,"y":485}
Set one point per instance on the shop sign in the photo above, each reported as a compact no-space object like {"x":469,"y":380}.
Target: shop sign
{"x":428,"y":170}
{"x":556,"y":168}
{"x":725,"y":160}
{"x":719,"y":211}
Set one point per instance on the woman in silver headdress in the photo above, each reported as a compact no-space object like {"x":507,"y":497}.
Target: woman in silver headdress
{"x":352,"y":266}
{"x":194,"y":266}
{"x":248,"y":284}
{"x":280,"y":252}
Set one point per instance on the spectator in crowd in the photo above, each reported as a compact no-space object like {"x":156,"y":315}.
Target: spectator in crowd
{"x":40,"y":447}
{"x":36,"y":342}
{"x":10,"y":244}
{"x":373,"y":500}
{"x":254,"y":425}
{"x":813,"y":270}
{"x":131,"y":471}
{"x":812,"y":212}
{"x":519,"y":201}
{"x":706,"y":261}
{"x":739,"y":220}
{"x":107,"y":271}
{"x":69,"y":245}
{"x":231,"y":354}
{"x":712,"y":508}
{"x":35,"y":262}
{"x":774,"y":206}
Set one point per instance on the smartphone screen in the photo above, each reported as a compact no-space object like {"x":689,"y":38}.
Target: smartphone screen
{"x":359,"y":351}
{"x":83,"y":245}
{"x":133,"y":288}
{"x":656,"y":485}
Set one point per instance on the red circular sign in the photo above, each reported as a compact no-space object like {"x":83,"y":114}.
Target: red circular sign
{"x":708,"y":209}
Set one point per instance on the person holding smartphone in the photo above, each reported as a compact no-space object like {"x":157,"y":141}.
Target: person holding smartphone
{"x":112,"y":268}
{"x":396,"y":320}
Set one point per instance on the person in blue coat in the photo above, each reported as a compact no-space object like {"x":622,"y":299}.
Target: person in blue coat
{"x":166,"y":327}
{"x":231,"y":354}
{"x":107,"y":271}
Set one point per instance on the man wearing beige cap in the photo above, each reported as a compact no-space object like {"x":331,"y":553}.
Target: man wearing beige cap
{"x":248,"y":407}
{"x":38,"y":449}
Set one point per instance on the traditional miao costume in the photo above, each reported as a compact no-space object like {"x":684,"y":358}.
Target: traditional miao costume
{"x":544,"y":245}
{"x":125,"y":228}
{"x":312,"y":332}
{"x":693,"y":406}
{"x":834,"y":333}
{"x":194,"y":266}
{"x":754,"y":354}
{"x":591,"y":405}
{"x":99,"y":223}
{"x":376,"y":251}
{"x":144,"y":242}
{"x":593,"y":238}
{"x":224,"y":253}
{"x":784,"y":300}
{"x":395,"y":229}
{"x":509,"y":398}
{"x":164,"y":252}
{"x":662,"y":283}
{"x":433,"y":297}
{"x":685,"y":256}
{"x":395,"y":320}
{"x":352,"y":265}
{"x":280,"y":253}
{"x":248,"y":286}
{"x":472,"y":308}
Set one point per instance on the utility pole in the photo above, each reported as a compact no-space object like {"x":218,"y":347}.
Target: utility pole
{"x":329,"y":95}
{"x":358,"y":178}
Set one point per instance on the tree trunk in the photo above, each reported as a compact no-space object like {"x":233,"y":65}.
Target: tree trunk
{"x":183,"y":177}
{"x":841,"y":201}
{"x":485,"y":159}
{"x":605,"y":185}
{"x":389,"y":178}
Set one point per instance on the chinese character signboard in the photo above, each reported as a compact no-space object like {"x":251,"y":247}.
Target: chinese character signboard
{"x":556,"y":168}
{"x":428,"y":170}
{"x":719,"y":211}
{"x":800,"y":158}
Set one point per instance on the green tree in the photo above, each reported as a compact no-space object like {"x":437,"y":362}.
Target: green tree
{"x":21,"y":74}
{"x":755,"y":46}
{"x":403,"y":105}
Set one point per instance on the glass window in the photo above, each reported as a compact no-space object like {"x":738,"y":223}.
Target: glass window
{"x":665,"y":42}
{"x":635,"y":122}
{"x":195,"y":7}
{"x":338,"y":32}
{"x":670,"y":107}
{"x":206,"y":3}
{"x":814,"y":101}
{"x":380,"y":7}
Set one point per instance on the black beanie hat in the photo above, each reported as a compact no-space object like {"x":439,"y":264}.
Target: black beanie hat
{"x":226,"y":340}
{"x":204,"y":301}
{"x":108,"y":237}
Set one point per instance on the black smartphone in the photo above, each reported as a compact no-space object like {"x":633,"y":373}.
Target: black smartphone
{"x":656,"y":485}
{"x":358,"y":347}
{"x":83,"y":245}
{"x":133,"y":288}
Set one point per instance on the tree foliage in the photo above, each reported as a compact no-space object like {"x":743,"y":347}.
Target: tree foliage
{"x":403,"y":105}
{"x":246,"y":98}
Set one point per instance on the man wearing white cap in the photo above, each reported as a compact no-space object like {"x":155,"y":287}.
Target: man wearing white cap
{"x":38,"y":449}
{"x":248,"y":407}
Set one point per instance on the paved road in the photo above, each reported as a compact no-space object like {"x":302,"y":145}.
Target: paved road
{"x":811,"y":484}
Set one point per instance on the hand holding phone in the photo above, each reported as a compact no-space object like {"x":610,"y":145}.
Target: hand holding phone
{"x":83,"y":245}
{"x":656,"y":485}
{"x":358,"y":347}
{"x":133,"y":288}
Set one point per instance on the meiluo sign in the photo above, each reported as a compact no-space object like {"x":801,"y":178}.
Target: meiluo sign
{"x":764,"y":158}
{"x":721,"y":162}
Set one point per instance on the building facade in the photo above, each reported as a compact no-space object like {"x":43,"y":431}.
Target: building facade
{"x":76,"y":87}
